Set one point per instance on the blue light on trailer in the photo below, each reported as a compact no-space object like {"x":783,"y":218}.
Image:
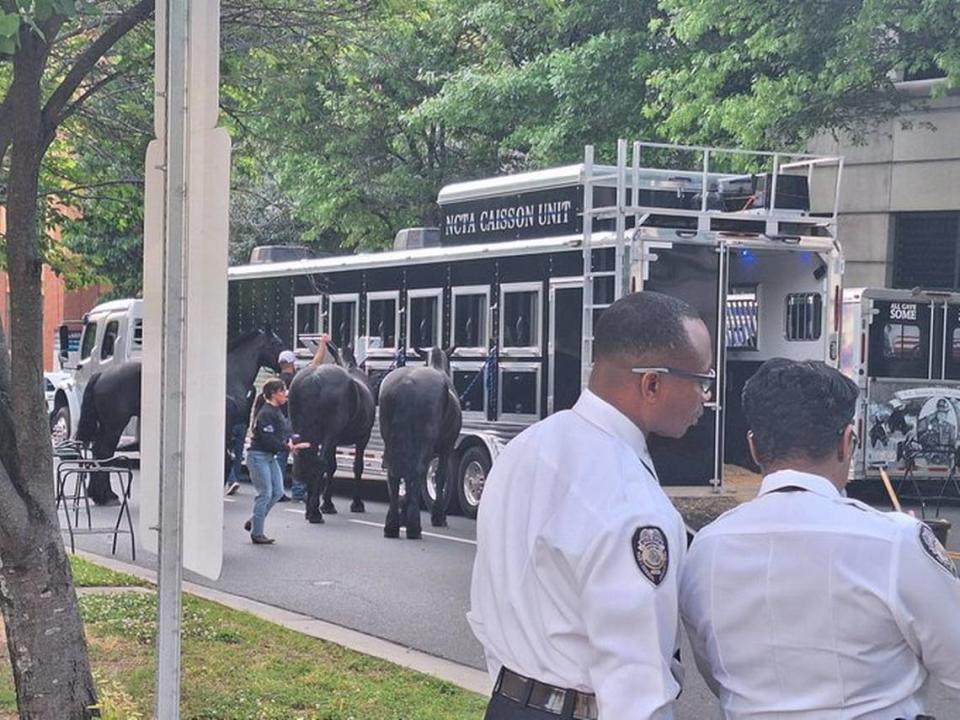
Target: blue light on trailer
{"x":748,"y":257}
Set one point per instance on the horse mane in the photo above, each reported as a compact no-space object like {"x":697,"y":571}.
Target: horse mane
{"x":242,"y":338}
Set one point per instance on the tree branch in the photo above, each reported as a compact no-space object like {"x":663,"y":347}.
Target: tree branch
{"x":129,"y":19}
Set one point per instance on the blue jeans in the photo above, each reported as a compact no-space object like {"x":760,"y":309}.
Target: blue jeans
{"x":298,"y":491}
{"x":268,"y":480}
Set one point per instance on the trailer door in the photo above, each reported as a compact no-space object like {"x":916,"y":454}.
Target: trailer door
{"x":565,"y":343}
{"x":900,"y":340}
{"x":951,"y":349}
{"x":692,"y":273}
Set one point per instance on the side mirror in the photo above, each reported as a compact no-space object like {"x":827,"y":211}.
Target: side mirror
{"x":64,"y":334}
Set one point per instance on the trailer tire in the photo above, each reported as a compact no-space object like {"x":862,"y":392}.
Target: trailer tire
{"x":472,"y":471}
{"x":429,"y":494}
{"x":60,"y":424}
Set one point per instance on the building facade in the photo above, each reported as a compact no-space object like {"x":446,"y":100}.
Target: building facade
{"x":899,"y":219}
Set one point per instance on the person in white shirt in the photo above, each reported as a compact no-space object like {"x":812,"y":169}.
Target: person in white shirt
{"x":806,"y":605}
{"x":574,"y":590}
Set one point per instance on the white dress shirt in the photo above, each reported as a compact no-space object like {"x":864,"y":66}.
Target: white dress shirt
{"x":806,"y":605}
{"x":559,"y":593}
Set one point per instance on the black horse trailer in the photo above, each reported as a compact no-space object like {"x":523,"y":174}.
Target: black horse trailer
{"x":522,"y":265}
{"x":903,"y":349}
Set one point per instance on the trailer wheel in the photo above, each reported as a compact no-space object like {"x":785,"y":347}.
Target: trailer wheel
{"x":60,"y":424}
{"x":430,"y":486}
{"x":472,"y":474}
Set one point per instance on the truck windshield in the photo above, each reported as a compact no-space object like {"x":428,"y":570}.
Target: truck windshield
{"x":89,"y":338}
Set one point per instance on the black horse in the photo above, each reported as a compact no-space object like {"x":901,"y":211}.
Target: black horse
{"x":420,"y":419}
{"x":111,"y":399}
{"x":330,"y":405}
{"x":246,"y":354}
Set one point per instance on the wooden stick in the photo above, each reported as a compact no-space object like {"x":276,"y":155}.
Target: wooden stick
{"x":889,"y":486}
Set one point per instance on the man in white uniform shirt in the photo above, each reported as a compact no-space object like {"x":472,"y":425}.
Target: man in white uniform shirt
{"x":574,"y":592}
{"x":806,"y":605}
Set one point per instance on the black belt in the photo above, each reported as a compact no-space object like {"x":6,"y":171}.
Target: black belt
{"x":562,"y":702}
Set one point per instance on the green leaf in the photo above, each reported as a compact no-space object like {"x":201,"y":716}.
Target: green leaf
{"x":9,"y":27}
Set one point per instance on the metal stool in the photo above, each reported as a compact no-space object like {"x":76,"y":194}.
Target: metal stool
{"x":80,"y":470}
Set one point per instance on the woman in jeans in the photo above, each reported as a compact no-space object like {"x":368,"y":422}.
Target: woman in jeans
{"x":271,"y":435}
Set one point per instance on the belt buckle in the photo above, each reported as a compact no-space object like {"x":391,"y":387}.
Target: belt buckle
{"x":547,"y":698}
{"x":585,"y":707}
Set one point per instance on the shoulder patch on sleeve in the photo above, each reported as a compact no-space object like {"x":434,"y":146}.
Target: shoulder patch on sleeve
{"x":935,"y":550}
{"x":649,"y":547}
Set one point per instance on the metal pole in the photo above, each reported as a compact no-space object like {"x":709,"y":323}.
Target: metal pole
{"x":170,"y":571}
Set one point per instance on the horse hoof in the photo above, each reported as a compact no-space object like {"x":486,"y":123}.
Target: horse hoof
{"x":357,"y":507}
{"x":329,"y":509}
{"x":413,"y":534}
{"x":315,"y":519}
{"x":438,"y":522}
{"x":391,"y":532}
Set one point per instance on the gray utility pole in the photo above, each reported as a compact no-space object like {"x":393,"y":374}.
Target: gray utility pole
{"x":170,"y":575}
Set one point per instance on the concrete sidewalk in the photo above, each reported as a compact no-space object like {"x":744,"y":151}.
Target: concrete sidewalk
{"x":466,"y":677}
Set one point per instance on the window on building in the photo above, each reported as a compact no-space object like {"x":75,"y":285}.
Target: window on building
{"x":307,"y":317}
{"x":343,"y":320}
{"x":470,"y":318}
{"x":925,"y":250}
{"x":382,"y":318}
{"x":520,"y":317}
{"x":423,"y":318}
{"x":804,"y":316}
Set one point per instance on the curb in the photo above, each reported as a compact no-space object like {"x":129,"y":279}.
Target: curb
{"x":463,"y":676}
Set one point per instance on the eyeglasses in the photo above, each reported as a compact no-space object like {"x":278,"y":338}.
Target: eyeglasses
{"x":855,"y":439}
{"x":706,"y":379}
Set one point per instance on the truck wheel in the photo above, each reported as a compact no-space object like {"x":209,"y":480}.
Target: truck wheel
{"x":471,"y":476}
{"x":430,"y":486}
{"x":60,"y":424}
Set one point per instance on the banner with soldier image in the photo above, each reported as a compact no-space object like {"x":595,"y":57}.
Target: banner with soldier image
{"x":910,"y":427}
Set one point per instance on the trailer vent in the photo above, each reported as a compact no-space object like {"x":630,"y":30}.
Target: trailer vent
{"x":420,"y":237}
{"x":804,"y":316}
{"x":279,"y":253}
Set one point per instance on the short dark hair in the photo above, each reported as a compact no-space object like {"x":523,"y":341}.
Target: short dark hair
{"x":271,"y":386}
{"x":643,"y":323}
{"x":797,"y":409}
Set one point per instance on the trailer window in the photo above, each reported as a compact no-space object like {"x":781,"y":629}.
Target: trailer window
{"x":109,"y":339}
{"x":470,"y":319}
{"x":901,"y":341}
{"x":382,"y":319}
{"x":306,"y":320}
{"x":89,"y":338}
{"x":804,"y":316}
{"x":955,"y":345}
{"x":743,"y":311}
{"x":138,"y":333}
{"x":520,"y":318}
{"x":343,"y":322}
{"x":423,"y":318}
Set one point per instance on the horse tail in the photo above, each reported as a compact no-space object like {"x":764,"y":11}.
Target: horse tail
{"x":89,"y":424}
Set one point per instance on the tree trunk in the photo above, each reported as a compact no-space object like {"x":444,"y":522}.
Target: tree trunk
{"x":47,"y":647}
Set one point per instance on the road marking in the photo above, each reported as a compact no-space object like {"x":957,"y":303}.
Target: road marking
{"x":465,"y":541}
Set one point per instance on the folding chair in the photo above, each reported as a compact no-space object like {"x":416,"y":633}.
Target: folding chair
{"x":79,"y":470}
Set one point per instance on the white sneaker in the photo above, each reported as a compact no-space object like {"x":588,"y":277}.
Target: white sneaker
{"x":232,"y":488}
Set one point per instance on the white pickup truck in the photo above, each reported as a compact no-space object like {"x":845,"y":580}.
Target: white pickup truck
{"x":112,"y":333}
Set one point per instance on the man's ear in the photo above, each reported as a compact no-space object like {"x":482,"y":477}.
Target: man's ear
{"x":752,"y":444}
{"x":845,"y":447}
{"x":649,"y":385}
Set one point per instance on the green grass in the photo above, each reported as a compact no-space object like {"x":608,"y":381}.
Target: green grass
{"x":88,"y":574}
{"x":238,"y":667}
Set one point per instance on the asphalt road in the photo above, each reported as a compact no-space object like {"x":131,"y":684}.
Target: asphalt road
{"x":414,"y":593}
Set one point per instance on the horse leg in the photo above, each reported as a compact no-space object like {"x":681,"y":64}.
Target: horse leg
{"x":329,"y":470}
{"x":357,"y":505}
{"x":308,"y":464}
{"x":412,"y":506}
{"x":391,"y":529}
{"x":438,"y":517}
{"x":98,"y":489}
